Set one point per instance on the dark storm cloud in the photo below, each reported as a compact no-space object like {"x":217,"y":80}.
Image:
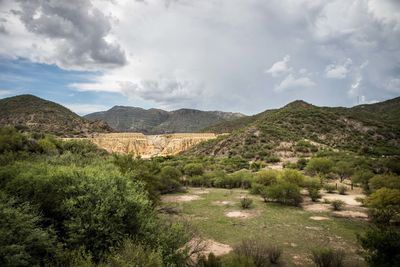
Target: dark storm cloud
{"x":79,"y":28}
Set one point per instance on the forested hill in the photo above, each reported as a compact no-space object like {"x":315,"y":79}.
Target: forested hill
{"x":373,"y":129}
{"x":31,"y":113}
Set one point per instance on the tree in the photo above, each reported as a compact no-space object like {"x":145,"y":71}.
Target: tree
{"x":193,"y":169}
{"x":169,"y":179}
{"x":362,"y":177}
{"x":384,"y":180}
{"x":319,"y":166}
{"x":284,"y":193}
{"x":343,"y":169}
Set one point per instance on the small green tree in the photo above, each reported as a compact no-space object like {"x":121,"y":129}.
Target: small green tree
{"x":319,"y":166}
{"x":193,"y":169}
{"x":343,"y":169}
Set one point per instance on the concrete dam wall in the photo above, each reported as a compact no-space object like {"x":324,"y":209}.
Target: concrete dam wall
{"x":148,"y":146}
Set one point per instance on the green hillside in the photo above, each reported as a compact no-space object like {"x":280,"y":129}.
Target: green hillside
{"x":28,"y":112}
{"x":302,"y":127}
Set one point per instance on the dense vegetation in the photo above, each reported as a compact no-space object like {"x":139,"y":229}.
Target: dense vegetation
{"x":28,"y":112}
{"x":288,"y":130}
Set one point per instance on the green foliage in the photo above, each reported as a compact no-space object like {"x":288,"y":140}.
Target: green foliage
{"x":284,"y":193}
{"x":170,"y":179}
{"x":385,"y":180}
{"x":293,"y":177}
{"x":382,"y":246}
{"x":261,"y":253}
{"x":193,"y":169}
{"x":327,"y":257}
{"x":266,"y":177}
{"x":342,"y":189}
{"x":11,"y":140}
{"x":304,"y":146}
{"x":210,"y":261}
{"x":343,"y":169}
{"x":134,"y":254}
{"x":362,"y":177}
{"x":330,"y":188}
{"x":22,"y":240}
{"x":319,"y":166}
{"x":246,"y":202}
{"x":337,"y":204}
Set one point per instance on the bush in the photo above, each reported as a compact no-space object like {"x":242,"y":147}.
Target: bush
{"x":362,"y":177}
{"x":193,"y":169}
{"x":384,"y":206}
{"x":170,"y":180}
{"x":284,"y":193}
{"x":314,"y":194}
{"x":256,"y":188}
{"x":327,"y":257}
{"x":266,"y":177}
{"x":342,"y":189}
{"x":22,"y":241}
{"x":293,"y":177}
{"x":136,"y":255}
{"x":329,"y":188}
{"x":386,"y":180}
{"x":382,"y":246}
{"x":337,"y":204}
{"x":261,"y":253}
{"x":246,"y":203}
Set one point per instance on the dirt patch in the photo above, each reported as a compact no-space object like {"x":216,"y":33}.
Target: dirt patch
{"x":319,"y":218}
{"x":200,"y":192}
{"x":240,"y":214}
{"x":350,"y":214}
{"x":223,"y":203}
{"x":316,"y":207}
{"x":216,"y":248}
{"x":348,"y":199}
{"x":181,"y":198}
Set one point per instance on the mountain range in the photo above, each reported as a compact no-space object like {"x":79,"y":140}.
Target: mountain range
{"x":298,"y":127}
{"x":158,"y":121}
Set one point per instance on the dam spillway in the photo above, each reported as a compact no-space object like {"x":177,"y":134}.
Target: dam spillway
{"x":147,"y":146}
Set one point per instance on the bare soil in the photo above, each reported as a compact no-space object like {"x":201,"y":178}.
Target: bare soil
{"x":180,"y":198}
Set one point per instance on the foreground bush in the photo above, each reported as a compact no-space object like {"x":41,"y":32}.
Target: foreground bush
{"x":382,"y":246}
{"x":22,"y":240}
{"x":261,"y":253}
{"x":327,"y":257}
{"x":337,"y":204}
{"x":284,"y":193}
{"x":246,"y":202}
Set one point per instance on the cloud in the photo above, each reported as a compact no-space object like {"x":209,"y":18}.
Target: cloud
{"x":83,"y":109}
{"x":338,"y":71}
{"x":279,"y":67}
{"x":77,"y":30}
{"x":291,"y":82}
{"x":5,"y":93}
{"x":211,"y":54}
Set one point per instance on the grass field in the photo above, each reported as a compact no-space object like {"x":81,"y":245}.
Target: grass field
{"x":289,"y":227}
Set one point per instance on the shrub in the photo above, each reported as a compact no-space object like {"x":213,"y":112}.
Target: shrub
{"x":384,"y":206}
{"x":337,"y":204}
{"x":136,"y":255}
{"x":284,"y":193}
{"x":169,"y":179}
{"x":314,"y":194}
{"x":342,"y":189}
{"x":246,"y":202}
{"x":22,"y":241}
{"x":193,"y":169}
{"x":261,"y":253}
{"x":362,"y":177}
{"x":329,"y":188}
{"x":266,"y":177}
{"x":293,"y":177}
{"x":301,"y":163}
{"x":256,"y":188}
{"x":327,"y":257}
{"x":382,"y":246}
{"x":387,"y":180}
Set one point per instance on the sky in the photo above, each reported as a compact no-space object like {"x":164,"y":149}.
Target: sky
{"x":229,"y":55}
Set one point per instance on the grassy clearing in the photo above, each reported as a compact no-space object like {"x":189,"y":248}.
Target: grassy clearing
{"x":289,"y":227}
